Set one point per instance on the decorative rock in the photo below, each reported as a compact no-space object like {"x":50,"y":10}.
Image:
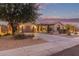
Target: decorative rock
{"x":36,"y":36}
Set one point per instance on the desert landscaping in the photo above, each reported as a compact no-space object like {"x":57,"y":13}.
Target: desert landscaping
{"x":11,"y":43}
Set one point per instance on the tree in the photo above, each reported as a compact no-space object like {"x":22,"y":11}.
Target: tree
{"x":16,"y":13}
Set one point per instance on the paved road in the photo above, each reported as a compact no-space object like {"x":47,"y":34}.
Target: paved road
{"x":73,"y":51}
{"x":54,"y":45}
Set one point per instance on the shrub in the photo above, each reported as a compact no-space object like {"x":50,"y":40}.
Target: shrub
{"x":22,"y":36}
{"x":68,"y":33}
{"x":6,"y":34}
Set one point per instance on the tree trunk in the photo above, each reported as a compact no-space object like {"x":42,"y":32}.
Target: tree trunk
{"x":13,"y":28}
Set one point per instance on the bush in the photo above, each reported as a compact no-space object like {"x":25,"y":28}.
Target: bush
{"x":76,"y":33}
{"x":22,"y":36}
{"x":6,"y":34}
{"x":69,"y":33}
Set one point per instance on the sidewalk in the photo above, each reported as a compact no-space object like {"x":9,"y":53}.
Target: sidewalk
{"x":54,"y":45}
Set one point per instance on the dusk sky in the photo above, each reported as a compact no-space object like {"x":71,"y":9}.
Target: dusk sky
{"x":57,"y":10}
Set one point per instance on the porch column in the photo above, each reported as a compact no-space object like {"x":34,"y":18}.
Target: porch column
{"x":48,"y":29}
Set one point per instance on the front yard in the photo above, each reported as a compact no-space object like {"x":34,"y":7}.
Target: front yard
{"x":12,"y":43}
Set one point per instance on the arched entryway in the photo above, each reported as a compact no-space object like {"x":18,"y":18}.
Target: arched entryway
{"x":53,"y":28}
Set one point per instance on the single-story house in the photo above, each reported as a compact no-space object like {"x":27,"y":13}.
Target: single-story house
{"x":39,"y":27}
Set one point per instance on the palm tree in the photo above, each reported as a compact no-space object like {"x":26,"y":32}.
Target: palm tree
{"x":16,"y":13}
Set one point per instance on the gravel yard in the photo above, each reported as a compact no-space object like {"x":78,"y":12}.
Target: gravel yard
{"x":11,"y":43}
